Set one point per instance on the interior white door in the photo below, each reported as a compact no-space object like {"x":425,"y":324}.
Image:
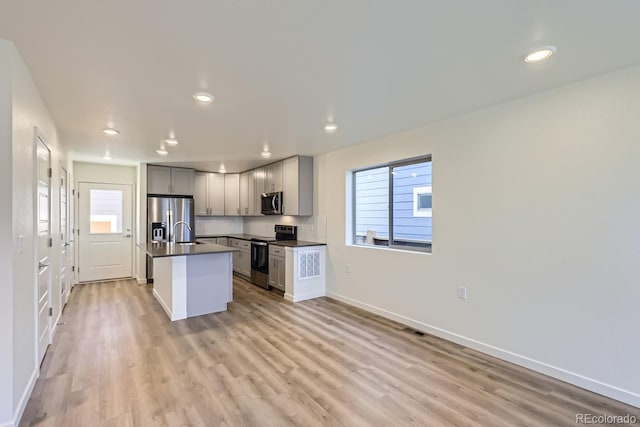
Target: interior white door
{"x":105,"y":238}
{"x":43,"y":231}
{"x":65,"y":281}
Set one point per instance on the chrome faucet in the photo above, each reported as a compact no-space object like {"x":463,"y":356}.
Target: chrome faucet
{"x":176,"y":225}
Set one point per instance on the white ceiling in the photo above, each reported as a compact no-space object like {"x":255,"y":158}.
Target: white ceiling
{"x":281,"y":68}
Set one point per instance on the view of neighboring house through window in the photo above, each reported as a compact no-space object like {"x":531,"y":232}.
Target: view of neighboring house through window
{"x":392,"y":205}
{"x":106,"y":211}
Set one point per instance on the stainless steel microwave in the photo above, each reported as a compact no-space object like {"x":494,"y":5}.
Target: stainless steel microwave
{"x":271,"y":203}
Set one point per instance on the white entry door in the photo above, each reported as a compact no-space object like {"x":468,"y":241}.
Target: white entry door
{"x":43,"y":218}
{"x":105,"y":243}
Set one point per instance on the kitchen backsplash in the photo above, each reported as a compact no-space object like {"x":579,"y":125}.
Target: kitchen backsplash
{"x":218,"y":225}
{"x":313,"y":228}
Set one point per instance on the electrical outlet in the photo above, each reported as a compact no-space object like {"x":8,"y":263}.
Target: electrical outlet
{"x":20,"y":244}
{"x":347,"y":268}
{"x":462,"y":292}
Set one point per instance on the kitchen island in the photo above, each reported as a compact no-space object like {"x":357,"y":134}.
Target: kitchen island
{"x":191,"y":279}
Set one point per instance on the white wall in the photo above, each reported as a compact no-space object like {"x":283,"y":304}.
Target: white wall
{"x":536,"y":210}
{"x":141,"y":223}
{"x":26,"y":111}
{"x":97,"y":172}
{"x":6,"y":235}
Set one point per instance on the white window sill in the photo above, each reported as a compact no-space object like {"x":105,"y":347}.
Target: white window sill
{"x":386,"y":248}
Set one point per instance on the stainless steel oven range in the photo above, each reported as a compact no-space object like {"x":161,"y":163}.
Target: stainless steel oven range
{"x":260,"y":253}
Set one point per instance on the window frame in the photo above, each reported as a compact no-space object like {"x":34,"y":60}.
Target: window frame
{"x":391,"y":165}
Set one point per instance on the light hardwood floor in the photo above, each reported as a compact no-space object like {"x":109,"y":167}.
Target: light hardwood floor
{"x":119,"y":361}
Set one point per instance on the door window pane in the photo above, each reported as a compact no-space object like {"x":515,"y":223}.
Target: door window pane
{"x":105,"y":211}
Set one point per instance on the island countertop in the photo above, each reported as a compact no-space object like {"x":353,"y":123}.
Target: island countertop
{"x":157,"y":250}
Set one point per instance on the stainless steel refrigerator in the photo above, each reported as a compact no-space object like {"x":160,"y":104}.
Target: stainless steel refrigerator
{"x":167,"y":216}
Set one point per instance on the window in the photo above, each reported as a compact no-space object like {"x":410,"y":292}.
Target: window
{"x":422,"y":201}
{"x":392,"y":205}
{"x":105,"y":211}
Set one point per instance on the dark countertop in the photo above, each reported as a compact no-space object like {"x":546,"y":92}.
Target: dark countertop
{"x":284,"y":243}
{"x":234,"y":236}
{"x":296,"y":243}
{"x":157,"y":250}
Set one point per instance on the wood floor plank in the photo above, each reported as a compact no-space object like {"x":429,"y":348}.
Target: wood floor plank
{"x":118,"y":361}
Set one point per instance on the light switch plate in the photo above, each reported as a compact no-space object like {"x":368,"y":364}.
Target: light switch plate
{"x":462,"y":292}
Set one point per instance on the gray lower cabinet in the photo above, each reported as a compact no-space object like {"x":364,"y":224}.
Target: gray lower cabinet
{"x":276,"y":268}
{"x":207,"y":240}
{"x":217,"y":240}
{"x":242,"y":258}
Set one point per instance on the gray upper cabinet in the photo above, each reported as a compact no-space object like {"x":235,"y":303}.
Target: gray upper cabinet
{"x":297,"y":183}
{"x":167,"y":180}
{"x":232,"y":194}
{"x":236,"y":194}
{"x":200,"y":196}
{"x":259,"y":188}
{"x":158,"y":180}
{"x":273,"y":177}
{"x":245,"y":177}
{"x":209,"y":196}
{"x":251,"y":189}
{"x":182,"y":181}
{"x":217,"y":193}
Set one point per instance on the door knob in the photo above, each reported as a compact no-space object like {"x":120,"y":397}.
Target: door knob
{"x":42,"y":265}
{"x":128,"y":236}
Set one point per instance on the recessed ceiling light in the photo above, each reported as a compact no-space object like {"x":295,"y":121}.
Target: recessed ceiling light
{"x":171,"y":141}
{"x":107,"y":155}
{"x":111,"y":131}
{"x":162,"y":151}
{"x":203,"y":97}
{"x":222,"y":169}
{"x":265,"y":150}
{"x":330,"y":127}
{"x":540,"y":54}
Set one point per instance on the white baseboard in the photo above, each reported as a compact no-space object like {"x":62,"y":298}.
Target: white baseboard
{"x":54,"y":326}
{"x":173,"y":316}
{"x":305,"y":296}
{"x":581,"y":381}
{"x":141,"y":281}
{"x":164,"y":306}
{"x":22,"y":403}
